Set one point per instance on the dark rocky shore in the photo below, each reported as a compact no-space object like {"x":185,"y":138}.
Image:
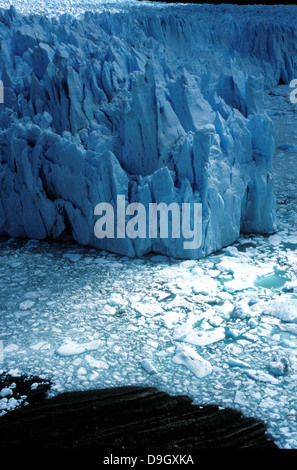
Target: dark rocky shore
{"x":130,"y":418}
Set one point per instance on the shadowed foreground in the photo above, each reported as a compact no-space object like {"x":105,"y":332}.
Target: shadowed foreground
{"x":130,"y":418}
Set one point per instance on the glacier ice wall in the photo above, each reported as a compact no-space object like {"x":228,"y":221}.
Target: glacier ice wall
{"x":160,"y":104}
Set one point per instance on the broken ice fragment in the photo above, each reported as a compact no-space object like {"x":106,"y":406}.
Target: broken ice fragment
{"x":5,"y":392}
{"x":238,"y":363}
{"x":204,"y":338}
{"x":97,"y":364}
{"x":261,"y":376}
{"x":279,"y":366}
{"x":284,"y":308}
{"x":73,"y":257}
{"x":70,"y":348}
{"x":194,"y":362}
{"x":148,"y":366}
{"x":275,"y":240}
{"x":26,"y":304}
{"x":240,"y":398}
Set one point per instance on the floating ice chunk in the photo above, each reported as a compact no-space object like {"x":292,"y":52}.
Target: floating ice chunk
{"x":161,"y":295}
{"x":269,"y":403}
{"x":291,"y":415}
{"x":26,"y":304}
{"x":215,"y":321}
{"x":229,"y":266}
{"x":225,"y":296}
{"x":3,"y":403}
{"x":13,"y":403}
{"x":238,"y":363}
{"x":5,"y":392}
{"x":276,"y":337}
{"x":109,"y":309}
{"x":188,"y":264}
{"x":41,"y":345}
{"x":290,"y":286}
{"x":148,"y":366}
{"x":32,"y":295}
{"x":170,"y":318}
{"x":194,"y":362}
{"x":147,"y":308}
{"x":74,"y":257}
{"x":82,"y":372}
{"x":11,"y":348}
{"x":261,"y":376}
{"x":243,"y":310}
{"x":264,"y":329}
{"x":205,"y":286}
{"x":290,"y":239}
{"x":252,"y":323}
{"x":204,"y":338}
{"x":97,"y":364}
{"x":240,"y":398}
{"x":94,"y":375}
{"x":70,"y":348}
{"x":178,"y":302}
{"x":244,"y":274}
{"x":232,"y":251}
{"x":279,"y":365}
{"x":202,"y":283}
{"x":77,"y":361}
{"x":275,"y":240}
{"x":14,"y":372}
{"x":34,"y":386}
{"x":117,"y":300}
{"x":233,"y":348}
{"x":284,"y":308}
{"x":250,"y":337}
{"x":238,"y":284}
{"x":289,"y":344}
{"x":214,"y":273}
{"x":181,"y":331}
{"x":253,"y":299}
{"x":234,"y":333}
{"x":290,"y":328}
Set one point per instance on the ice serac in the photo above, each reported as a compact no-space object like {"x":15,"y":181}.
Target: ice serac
{"x":148,"y":102}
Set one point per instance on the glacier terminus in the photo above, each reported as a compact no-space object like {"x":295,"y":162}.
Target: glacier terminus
{"x":144,"y":101}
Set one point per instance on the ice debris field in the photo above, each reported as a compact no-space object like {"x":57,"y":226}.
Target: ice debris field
{"x":221,"y":328}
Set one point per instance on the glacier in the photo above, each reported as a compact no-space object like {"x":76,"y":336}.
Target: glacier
{"x":220,"y":329}
{"x":156,"y":102}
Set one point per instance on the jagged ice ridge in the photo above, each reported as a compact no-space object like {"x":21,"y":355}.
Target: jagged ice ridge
{"x":157,"y":103}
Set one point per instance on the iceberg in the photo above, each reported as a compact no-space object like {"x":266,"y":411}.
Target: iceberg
{"x":143,"y":100}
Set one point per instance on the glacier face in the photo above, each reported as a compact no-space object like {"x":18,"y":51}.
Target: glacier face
{"x":156,"y":103}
